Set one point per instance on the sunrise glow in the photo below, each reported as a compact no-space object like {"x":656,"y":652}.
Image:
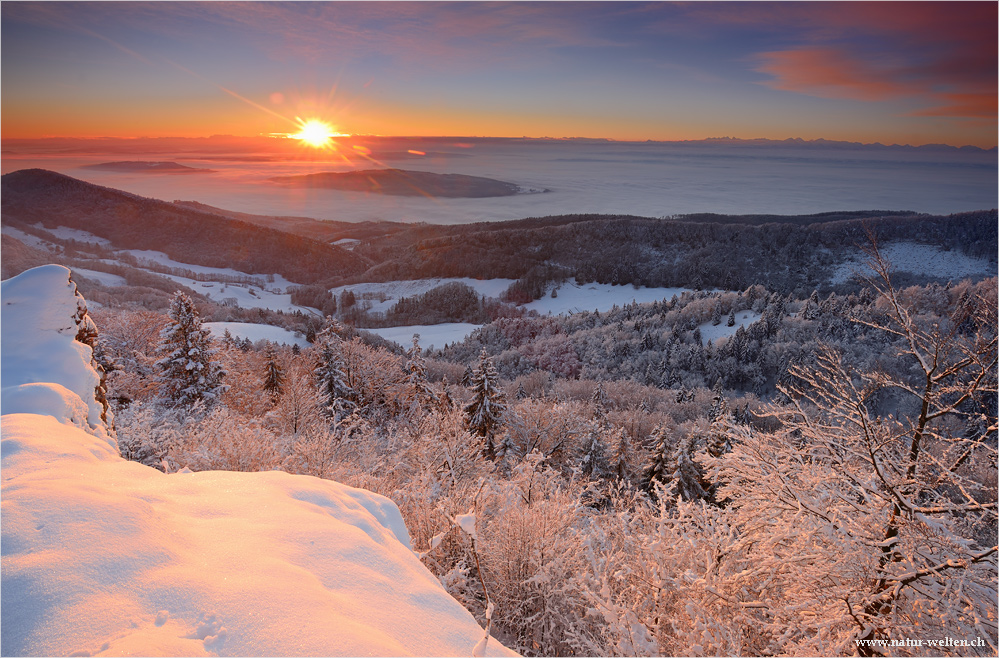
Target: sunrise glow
{"x":316,"y":133}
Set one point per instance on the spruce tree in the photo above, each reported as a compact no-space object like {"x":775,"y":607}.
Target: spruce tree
{"x":336,"y":398}
{"x":619,"y":464}
{"x":417,"y":389}
{"x":657,"y":467}
{"x":488,"y":404}
{"x":600,"y":401}
{"x":273,"y":383}
{"x":594,"y":460}
{"x":718,"y":407}
{"x":684,"y":473}
{"x":187,"y":371}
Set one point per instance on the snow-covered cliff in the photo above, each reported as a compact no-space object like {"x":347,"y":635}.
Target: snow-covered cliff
{"x":101,"y":556}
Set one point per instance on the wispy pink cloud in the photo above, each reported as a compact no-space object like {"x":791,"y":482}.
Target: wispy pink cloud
{"x":829,"y":73}
{"x":941,"y":57}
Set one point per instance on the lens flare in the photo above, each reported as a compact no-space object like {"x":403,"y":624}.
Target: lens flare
{"x":315,"y":132}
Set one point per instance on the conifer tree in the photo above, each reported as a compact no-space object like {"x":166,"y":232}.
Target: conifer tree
{"x":594,"y":460}
{"x":484,"y":412}
{"x":718,"y":407}
{"x":812,"y":309}
{"x":620,"y":455}
{"x":187,"y":371}
{"x":600,"y":401}
{"x":273,"y":383}
{"x":684,"y":473}
{"x":657,"y":467}
{"x":337,"y":400}
{"x":417,"y":389}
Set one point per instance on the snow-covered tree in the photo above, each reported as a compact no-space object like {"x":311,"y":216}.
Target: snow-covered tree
{"x":874,"y":525}
{"x":273,"y":383}
{"x":485,"y":411}
{"x":593,"y":462}
{"x":656,"y":469}
{"x":417,"y":393}
{"x":684,"y":473}
{"x":621,"y":457}
{"x":336,"y":398}
{"x":718,"y":406}
{"x":187,"y":370}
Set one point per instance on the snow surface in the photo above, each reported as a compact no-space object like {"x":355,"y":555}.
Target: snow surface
{"x":105,"y":278}
{"x":715,"y":332}
{"x":43,"y":365}
{"x":380,"y":297}
{"x":574,"y":298}
{"x":280,"y":284}
{"x":245,"y":295}
{"x":66,"y":233}
{"x":107,"y":557}
{"x":431,"y":335}
{"x":918,"y":259}
{"x":27,"y":238}
{"x":256,"y":332}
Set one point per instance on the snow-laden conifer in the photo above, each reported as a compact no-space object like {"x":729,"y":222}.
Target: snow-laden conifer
{"x":336,"y":398}
{"x":417,"y":393}
{"x":187,"y":370}
{"x":657,"y":467}
{"x":273,"y":383}
{"x":488,"y":404}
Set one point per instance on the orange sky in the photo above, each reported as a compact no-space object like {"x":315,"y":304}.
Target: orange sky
{"x":910,"y":73}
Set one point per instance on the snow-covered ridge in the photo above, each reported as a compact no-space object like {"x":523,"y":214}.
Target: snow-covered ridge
{"x":45,"y":369}
{"x":107,"y":557}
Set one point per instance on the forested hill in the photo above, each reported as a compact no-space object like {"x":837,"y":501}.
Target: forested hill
{"x":794,"y":254}
{"x":191,"y":236}
{"x":787,"y":254}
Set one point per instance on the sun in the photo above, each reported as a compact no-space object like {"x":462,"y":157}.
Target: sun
{"x":315,"y":132}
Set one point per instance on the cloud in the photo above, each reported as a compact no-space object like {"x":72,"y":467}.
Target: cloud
{"x":937,"y":56}
{"x":980,"y":106}
{"x":829,"y":73}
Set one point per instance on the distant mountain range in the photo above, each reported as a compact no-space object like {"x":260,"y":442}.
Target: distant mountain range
{"x":398,"y":145}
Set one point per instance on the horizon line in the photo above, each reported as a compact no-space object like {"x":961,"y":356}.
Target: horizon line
{"x":796,"y":140}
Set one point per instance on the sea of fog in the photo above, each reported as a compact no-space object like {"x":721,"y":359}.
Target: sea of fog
{"x":649,"y":179}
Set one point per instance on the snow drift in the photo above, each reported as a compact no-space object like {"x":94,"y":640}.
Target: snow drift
{"x":101,"y":556}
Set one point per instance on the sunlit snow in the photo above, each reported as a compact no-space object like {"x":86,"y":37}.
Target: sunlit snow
{"x":255,"y":332}
{"x":572,"y":297}
{"x":107,"y":557}
{"x":380,"y":297}
{"x":431,"y":335}
{"x":715,"y":332}
{"x":929,"y":260}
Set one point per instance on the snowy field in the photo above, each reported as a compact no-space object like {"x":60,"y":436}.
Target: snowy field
{"x":918,"y":259}
{"x":715,"y":332}
{"x":431,"y":336}
{"x":380,"y":297}
{"x":571,"y":298}
{"x":574,"y":298}
{"x":256,"y":332}
{"x":66,"y":233}
{"x":30,"y":240}
{"x":103,"y":278}
{"x":242,"y":295}
{"x":107,"y":557}
{"x":275,"y":282}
